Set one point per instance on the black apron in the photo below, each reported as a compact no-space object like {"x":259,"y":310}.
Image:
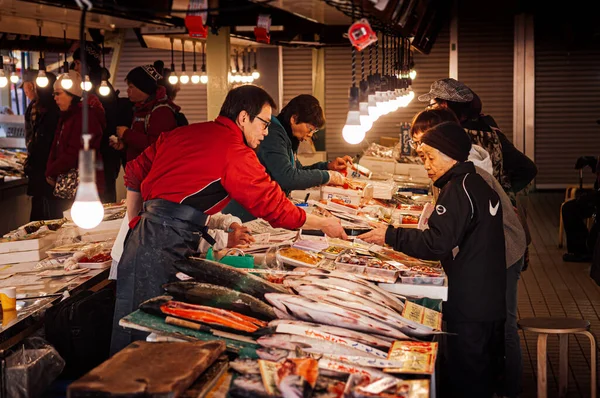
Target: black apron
{"x":166,"y":232}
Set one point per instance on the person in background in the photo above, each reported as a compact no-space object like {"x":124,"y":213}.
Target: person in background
{"x":515,"y":237}
{"x":182,"y":179}
{"x":466,"y":234}
{"x":298,"y":121}
{"x":154,"y":112}
{"x":64,"y":154}
{"x":512,"y":168}
{"x":41,"y":118}
{"x":111,"y":158}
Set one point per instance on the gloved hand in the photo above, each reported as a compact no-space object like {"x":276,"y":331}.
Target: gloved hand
{"x":336,"y":178}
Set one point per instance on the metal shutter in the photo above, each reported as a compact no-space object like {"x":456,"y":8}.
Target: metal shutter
{"x":297,"y":73}
{"x":191,"y":98}
{"x":338,"y":78}
{"x":567,"y":105}
{"x":485,"y":63}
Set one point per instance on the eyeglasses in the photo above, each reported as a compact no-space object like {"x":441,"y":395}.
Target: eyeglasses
{"x":432,"y":105}
{"x":415,"y":144}
{"x":267,"y":124}
{"x":313,"y":130}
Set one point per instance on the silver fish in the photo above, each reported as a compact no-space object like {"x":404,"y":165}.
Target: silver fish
{"x":318,"y":334}
{"x":245,"y":366}
{"x":308,"y":344}
{"x":372,"y":340}
{"x":272,"y":354}
{"x":364,"y":361}
{"x":248,"y":386}
{"x":320,"y":312}
{"x":341,"y":367}
{"x":366,"y":291}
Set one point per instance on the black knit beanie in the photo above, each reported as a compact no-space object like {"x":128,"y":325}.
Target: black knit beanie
{"x":145,"y":78}
{"x":450,"y":139}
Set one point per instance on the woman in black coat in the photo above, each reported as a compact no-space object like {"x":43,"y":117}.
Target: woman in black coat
{"x":41,"y":118}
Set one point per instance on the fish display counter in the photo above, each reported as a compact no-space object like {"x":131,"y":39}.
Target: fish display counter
{"x":307,"y":318}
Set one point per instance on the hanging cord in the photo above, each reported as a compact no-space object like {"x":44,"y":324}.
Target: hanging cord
{"x":182,"y":55}
{"x":203,"y":57}
{"x":353,"y":52}
{"x":377,"y":57}
{"x":255,"y":64}
{"x":85,"y":107}
{"x":194,"y":51}
{"x":65,"y":63}
{"x":370,"y":60}
{"x":103,"y":64}
{"x":172,"y":57}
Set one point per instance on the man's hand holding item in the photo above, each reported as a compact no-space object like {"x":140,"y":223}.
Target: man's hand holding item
{"x":339,"y":164}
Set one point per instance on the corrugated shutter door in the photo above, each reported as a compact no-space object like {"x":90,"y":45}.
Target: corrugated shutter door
{"x":338,"y":79}
{"x":485,"y":63}
{"x":567,"y":105}
{"x":191,"y":98}
{"x":297,"y":73}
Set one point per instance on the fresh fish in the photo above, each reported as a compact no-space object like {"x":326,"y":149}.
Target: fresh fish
{"x":353,"y":287}
{"x":363,"y":338}
{"x":248,"y":386}
{"x":245,"y":366}
{"x":328,"y":387}
{"x":321,"y":335}
{"x":224,"y":275}
{"x":364,"y":361}
{"x":345,"y":368}
{"x":307,"y":344}
{"x":283,"y":314}
{"x":294,"y":386}
{"x":272,"y":354}
{"x":329,"y":314}
{"x":220,"y":297}
{"x":212,"y":317}
{"x":352,"y":302}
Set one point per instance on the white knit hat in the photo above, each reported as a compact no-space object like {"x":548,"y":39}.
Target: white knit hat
{"x":75,"y":78}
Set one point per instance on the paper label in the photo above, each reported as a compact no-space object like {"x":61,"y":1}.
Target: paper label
{"x":417,"y":357}
{"x":422,"y":315}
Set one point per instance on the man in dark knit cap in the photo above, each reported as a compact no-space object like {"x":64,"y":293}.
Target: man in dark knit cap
{"x":466,"y":234}
{"x":154,"y":112}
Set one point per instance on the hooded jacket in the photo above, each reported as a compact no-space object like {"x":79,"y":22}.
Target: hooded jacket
{"x":152,"y":117}
{"x":514,"y":231}
{"x":278,"y":153}
{"x":466,"y":234}
{"x":64,"y":154}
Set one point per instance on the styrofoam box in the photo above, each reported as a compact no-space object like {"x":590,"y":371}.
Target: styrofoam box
{"x":24,"y":257}
{"x":349,"y":196}
{"x":378,"y":165}
{"x":300,"y":194}
{"x":406,"y":289}
{"x":28,"y":245}
{"x":411,"y":169}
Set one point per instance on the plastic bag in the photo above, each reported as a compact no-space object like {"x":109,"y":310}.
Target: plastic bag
{"x":32,"y":368}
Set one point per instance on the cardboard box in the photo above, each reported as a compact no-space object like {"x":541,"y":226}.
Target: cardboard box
{"x":349,"y":196}
{"x":24,"y":257}
{"x":378,"y":165}
{"x":28,"y":245}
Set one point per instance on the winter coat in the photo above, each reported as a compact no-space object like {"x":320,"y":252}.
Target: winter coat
{"x":40,"y":140}
{"x":152,"y":117}
{"x":278,"y":154}
{"x":466,"y":234}
{"x":64,"y":154}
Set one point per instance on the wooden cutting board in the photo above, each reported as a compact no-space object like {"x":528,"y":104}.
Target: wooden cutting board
{"x":148,"y":370}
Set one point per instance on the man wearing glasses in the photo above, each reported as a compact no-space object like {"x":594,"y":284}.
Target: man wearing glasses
{"x":298,"y":121}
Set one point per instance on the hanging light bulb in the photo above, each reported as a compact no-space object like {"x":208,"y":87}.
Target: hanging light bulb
{"x":183,"y":76}
{"x":255,"y":72}
{"x":203,"y":75}
{"x":14,"y":78}
{"x":353,"y":132}
{"x":42,"y":79}
{"x":195,"y":78}
{"x":87,"y":211}
{"x":86,"y":84}
{"x":413,"y":74}
{"x":173,"y":76}
{"x":66,"y":81}
{"x":365,"y":119}
{"x":104,"y":90}
{"x":204,"y":78}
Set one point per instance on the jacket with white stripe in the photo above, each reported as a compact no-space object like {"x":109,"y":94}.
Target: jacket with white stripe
{"x":466,"y":234}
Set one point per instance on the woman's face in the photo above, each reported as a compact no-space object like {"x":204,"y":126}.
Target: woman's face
{"x":417,"y":144}
{"x":62,"y":99}
{"x":302,"y":131}
{"x":29,"y":89}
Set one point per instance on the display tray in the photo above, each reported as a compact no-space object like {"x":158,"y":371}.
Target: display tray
{"x":24,"y":256}
{"x":24,"y":245}
{"x":300,"y":258}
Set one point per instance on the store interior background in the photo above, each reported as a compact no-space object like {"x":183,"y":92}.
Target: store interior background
{"x":539,"y":77}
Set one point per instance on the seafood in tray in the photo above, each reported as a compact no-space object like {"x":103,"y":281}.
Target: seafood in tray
{"x":372,"y":267}
{"x":297,"y":257}
{"x":332,"y":252}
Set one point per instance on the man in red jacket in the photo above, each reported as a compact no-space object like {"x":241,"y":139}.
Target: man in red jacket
{"x":186,"y":176}
{"x":154,"y":112}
